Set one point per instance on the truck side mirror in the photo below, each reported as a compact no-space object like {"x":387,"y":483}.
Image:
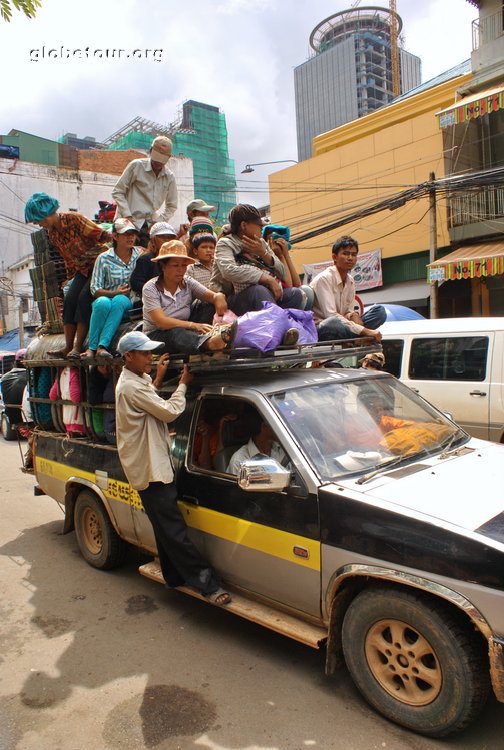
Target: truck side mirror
{"x":263,"y":475}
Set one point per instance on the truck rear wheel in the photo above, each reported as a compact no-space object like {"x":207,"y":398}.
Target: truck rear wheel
{"x":98,"y":541}
{"x":414,"y":661}
{"x":7,"y":432}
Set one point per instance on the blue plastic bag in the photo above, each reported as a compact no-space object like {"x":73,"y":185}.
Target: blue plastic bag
{"x":262,"y":329}
{"x":304,"y":322}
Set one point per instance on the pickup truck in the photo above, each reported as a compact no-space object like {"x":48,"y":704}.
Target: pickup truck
{"x":378,"y":536}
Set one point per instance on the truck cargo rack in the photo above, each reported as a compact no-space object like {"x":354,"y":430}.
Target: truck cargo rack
{"x":323,"y":352}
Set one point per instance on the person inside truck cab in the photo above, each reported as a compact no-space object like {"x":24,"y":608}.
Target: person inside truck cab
{"x":79,"y":241}
{"x":168,"y":312}
{"x":262,"y":443}
{"x":334,"y":290}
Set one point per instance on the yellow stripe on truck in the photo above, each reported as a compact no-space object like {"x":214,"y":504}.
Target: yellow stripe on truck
{"x":255,"y":536}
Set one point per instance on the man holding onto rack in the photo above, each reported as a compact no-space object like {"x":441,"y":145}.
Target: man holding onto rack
{"x":143,"y":444}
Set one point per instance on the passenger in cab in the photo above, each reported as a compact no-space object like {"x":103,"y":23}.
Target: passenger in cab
{"x":334,"y":291}
{"x":79,"y":241}
{"x":110,"y":285}
{"x":262,"y":443}
{"x":168,"y":312}
{"x":160,"y":232}
{"x":143,"y":443}
{"x":247,"y":268}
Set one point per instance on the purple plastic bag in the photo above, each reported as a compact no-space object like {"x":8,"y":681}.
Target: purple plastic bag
{"x":303,"y":321}
{"x":262,"y":329}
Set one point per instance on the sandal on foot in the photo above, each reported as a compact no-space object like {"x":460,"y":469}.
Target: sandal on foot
{"x":219,"y":597}
{"x":73,"y":354}
{"x":88,"y":355}
{"x":290,"y":337}
{"x":104,"y":353}
{"x":228,"y":333}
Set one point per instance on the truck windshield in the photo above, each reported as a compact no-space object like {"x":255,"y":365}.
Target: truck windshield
{"x":354,"y":427}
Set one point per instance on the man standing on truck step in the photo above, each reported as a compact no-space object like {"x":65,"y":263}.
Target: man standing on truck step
{"x":143,"y":443}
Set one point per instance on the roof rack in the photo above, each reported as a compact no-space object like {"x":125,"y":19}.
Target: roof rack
{"x":324,"y":352}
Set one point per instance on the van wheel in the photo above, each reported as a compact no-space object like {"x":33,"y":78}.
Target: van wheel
{"x":7,"y":432}
{"x":98,"y":541}
{"x":414,"y":662}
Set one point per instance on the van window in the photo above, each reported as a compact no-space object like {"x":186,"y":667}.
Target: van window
{"x":449,"y":358}
{"x":393,"y":351}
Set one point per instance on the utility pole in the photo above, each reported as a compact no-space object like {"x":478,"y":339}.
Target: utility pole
{"x":434,"y":309}
{"x":21,"y":325}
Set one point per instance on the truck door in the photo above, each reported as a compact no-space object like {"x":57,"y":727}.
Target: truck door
{"x":266,"y":543}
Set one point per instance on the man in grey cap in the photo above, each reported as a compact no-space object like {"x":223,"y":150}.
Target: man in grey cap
{"x":143,"y":188}
{"x":143,"y":444}
{"x":197,"y":207}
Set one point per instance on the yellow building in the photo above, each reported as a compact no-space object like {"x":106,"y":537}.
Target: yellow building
{"x":363,"y":163}
{"x":452,"y":127}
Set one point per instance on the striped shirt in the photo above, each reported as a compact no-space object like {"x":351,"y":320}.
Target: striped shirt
{"x":111,"y":272}
{"x":200,"y":272}
{"x":176,"y":305}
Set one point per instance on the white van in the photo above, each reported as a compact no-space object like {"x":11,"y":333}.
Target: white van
{"x":456,"y":364}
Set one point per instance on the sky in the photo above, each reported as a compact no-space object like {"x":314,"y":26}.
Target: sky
{"x":236,"y":54}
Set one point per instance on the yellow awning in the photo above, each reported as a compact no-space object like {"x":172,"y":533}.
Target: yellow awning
{"x":469,"y":262}
{"x":472,"y":107}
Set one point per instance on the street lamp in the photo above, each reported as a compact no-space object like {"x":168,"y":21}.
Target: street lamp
{"x":250,"y":167}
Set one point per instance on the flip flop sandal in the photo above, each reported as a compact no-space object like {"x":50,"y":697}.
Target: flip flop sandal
{"x":219,"y":597}
{"x":228,"y":333}
{"x":74,"y":354}
{"x":88,"y":356}
{"x":104,"y":353}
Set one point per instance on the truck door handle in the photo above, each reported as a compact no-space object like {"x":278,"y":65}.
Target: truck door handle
{"x":477,"y":393}
{"x":190,"y":499}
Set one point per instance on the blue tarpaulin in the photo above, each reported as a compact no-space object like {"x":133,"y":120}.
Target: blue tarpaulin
{"x":9,"y":342}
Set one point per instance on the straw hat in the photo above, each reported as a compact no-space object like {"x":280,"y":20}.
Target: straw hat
{"x":172,"y":249}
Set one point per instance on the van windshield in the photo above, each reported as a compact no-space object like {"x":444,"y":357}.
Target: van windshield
{"x":357,"y":426}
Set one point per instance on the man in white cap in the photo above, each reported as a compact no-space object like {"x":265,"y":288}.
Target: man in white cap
{"x":143,"y":444}
{"x":159,"y":233}
{"x":145,"y":186}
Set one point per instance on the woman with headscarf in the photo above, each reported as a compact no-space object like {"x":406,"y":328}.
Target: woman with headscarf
{"x":79,"y":241}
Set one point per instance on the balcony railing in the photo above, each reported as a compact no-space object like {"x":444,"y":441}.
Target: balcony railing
{"x":472,"y":208}
{"x":485,"y":30}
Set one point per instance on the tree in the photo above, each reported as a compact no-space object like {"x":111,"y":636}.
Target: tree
{"x":28,"y":7}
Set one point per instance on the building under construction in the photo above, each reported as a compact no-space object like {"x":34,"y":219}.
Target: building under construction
{"x":351,"y":72}
{"x":200,"y":133}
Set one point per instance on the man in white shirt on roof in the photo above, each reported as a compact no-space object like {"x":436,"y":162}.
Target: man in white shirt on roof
{"x":145,"y":186}
{"x":334,"y":289}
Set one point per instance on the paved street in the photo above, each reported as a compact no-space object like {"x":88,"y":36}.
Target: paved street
{"x":99,"y":661}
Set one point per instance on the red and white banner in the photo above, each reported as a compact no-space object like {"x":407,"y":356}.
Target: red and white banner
{"x":367,"y":273}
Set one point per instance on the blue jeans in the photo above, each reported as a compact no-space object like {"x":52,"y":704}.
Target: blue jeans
{"x":333,"y":328}
{"x":106,"y":316}
{"x":253,"y":296}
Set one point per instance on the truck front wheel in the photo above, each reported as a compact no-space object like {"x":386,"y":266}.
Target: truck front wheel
{"x":414,"y":661}
{"x":98,"y":541}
